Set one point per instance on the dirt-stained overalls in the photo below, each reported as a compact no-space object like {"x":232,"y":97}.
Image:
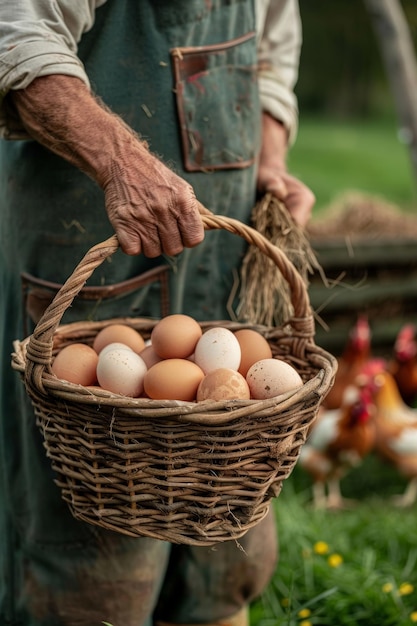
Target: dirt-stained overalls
{"x":181,"y":73}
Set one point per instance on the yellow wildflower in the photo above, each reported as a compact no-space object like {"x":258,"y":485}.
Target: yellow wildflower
{"x":335,"y":560}
{"x":304,"y":613}
{"x":405,"y":589}
{"x":321,"y":547}
{"x":413,"y":616}
{"x":305,"y":622}
{"x":387,"y":587}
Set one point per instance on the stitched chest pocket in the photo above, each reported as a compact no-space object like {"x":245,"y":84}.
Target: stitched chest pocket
{"x":218,"y":104}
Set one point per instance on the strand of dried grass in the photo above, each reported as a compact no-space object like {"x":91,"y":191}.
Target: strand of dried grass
{"x":264,"y":294}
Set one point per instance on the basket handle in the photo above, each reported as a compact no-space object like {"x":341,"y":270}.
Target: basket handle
{"x":40,"y":345}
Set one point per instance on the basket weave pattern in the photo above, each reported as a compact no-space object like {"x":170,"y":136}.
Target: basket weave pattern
{"x":190,"y":473}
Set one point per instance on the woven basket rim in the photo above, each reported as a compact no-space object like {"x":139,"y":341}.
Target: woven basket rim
{"x":33,"y":357}
{"x":197,"y":412}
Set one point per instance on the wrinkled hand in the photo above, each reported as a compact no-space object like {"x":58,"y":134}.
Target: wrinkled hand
{"x":295,"y":195}
{"x":152,"y":210}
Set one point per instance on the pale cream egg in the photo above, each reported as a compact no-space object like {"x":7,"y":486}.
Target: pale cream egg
{"x":121,"y":371}
{"x":268,"y":378}
{"x":217,"y":347}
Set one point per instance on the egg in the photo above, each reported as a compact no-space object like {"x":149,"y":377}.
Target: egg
{"x":254,"y":347}
{"x":118,"y":333}
{"x":268,"y":378}
{"x":175,"y":336}
{"x":114,"y":346}
{"x":217,"y":347}
{"x":121,"y":371}
{"x":76,"y":363}
{"x":173,"y":379}
{"x":223,"y":384}
{"x":149,"y":355}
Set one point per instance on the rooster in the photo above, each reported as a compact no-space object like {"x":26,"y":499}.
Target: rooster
{"x":403,"y":365}
{"x":355,"y":355}
{"x":337,"y":442}
{"x":396,"y":434}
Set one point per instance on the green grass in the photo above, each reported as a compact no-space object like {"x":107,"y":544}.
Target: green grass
{"x":333,"y":157}
{"x":375,"y":583}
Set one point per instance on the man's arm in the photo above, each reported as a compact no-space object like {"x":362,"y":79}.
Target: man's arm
{"x":151,"y":209}
{"x":279,"y":35}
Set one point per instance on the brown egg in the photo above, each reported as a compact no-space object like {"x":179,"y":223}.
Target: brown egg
{"x":76,"y":363}
{"x":223,"y":384}
{"x":150,"y":357}
{"x":173,"y":379}
{"x":253,"y":346}
{"x":119,"y":333}
{"x":175,"y":336}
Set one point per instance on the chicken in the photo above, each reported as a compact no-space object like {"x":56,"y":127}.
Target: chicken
{"x":338,"y":441}
{"x":355,"y":355}
{"x":403,"y":365}
{"x":396,"y":434}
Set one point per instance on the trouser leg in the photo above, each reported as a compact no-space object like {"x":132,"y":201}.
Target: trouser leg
{"x":241,"y":618}
{"x":211,"y":585}
{"x":117,"y":580}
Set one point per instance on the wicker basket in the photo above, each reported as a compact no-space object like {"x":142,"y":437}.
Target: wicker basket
{"x":188,"y":473}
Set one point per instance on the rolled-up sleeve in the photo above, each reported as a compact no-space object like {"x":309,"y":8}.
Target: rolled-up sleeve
{"x":279,"y":45}
{"x":37,"y":38}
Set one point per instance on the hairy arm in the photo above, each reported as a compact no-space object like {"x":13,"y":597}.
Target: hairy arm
{"x":151,"y":209}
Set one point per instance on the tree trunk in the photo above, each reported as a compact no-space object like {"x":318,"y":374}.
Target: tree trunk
{"x":397,"y":50}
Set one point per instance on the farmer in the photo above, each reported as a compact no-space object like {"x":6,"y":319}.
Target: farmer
{"x":115,"y":117}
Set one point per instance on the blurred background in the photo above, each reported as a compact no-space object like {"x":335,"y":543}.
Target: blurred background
{"x":354,"y":563}
{"x":355,"y":152}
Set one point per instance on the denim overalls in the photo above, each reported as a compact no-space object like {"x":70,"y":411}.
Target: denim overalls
{"x":181,"y":73}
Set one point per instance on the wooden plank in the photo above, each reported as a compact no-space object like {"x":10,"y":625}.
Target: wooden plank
{"x":345,"y":255}
{"x":376,"y":278}
{"x":354,"y":295}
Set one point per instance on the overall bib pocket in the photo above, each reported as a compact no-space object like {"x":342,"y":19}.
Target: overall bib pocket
{"x":216,"y":93}
{"x":119,"y":299}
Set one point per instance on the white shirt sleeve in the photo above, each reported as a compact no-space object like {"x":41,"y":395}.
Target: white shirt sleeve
{"x":279,"y":44}
{"x":37,"y":39}
{"x":40,"y":37}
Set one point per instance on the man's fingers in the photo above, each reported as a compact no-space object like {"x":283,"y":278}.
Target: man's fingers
{"x":152,"y":240}
{"x":278,"y":188}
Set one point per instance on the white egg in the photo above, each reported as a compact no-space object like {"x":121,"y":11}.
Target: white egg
{"x":115,"y":346}
{"x":217,"y":347}
{"x":268,"y":378}
{"x":121,"y":371}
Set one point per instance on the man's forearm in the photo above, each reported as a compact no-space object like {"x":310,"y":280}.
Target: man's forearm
{"x":61,"y":114}
{"x":152,"y":209}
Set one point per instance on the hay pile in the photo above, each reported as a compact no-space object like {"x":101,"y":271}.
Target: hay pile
{"x":360,"y":216}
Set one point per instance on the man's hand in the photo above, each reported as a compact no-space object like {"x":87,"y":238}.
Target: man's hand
{"x":273,"y":176}
{"x":151,"y":209}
